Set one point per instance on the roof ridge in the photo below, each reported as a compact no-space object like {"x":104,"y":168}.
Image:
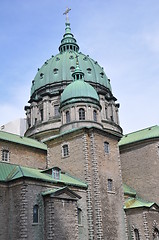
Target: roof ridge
{"x":139,"y":130}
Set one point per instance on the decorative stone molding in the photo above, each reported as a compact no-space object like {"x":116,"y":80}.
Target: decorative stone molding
{"x":89,"y":194}
{"x":146,"y":230}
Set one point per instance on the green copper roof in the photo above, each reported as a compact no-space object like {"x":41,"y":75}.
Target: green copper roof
{"x":68,"y":41}
{"x":60,"y":67}
{"x":147,"y":133}
{"x":128,"y":190}
{"x":137,"y":203}
{"x":10,"y":172}
{"x":132,"y":200}
{"x":57,"y":191}
{"x":79,"y":90}
{"x":22,"y":140}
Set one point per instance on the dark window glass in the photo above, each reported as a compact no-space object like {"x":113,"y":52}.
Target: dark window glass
{"x":72,"y":69}
{"x":110,"y":185}
{"x":89,"y":70}
{"x":5,"y":155}
{"x":55,"y":70}
{"x":136,"y":232}
{"x":81,"y":114}
{"x":106,"y":147}
{"x":35,"y":214}
{"x":79,"y":216}
{"x":65,"y":150}
{"x":67,"y":117}
{"x":95,"y":115}
{"x":41,"y":114}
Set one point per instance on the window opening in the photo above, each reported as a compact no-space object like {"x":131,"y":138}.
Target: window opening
{"x":102,"y":74}
{"x":95,"y":115}
{"x":5,"y":155}
{"x":65,"y":150}
{"x":79,"y":216}
{"x":56,"y":110}
{"x":136,"y":232}
{"x":41,"y":115}
{"x":110,"y":185}
{"x":72,"y":69}
{"x":89,"y":70}
{"x":156,"y":234}
{"x":81,"y":114}
{"x":41,"y":75}
{"x":35,"y":213}
{"x":67,"y":117}
{"x":106,"y":147}
{"x":55,"y":70}
{"x":56,"y":173}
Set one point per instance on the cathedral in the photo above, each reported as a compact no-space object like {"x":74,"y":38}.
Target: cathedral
{"x":74,"y":176}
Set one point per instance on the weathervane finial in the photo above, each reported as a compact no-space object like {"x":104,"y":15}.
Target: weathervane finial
{"x":66,"y":13}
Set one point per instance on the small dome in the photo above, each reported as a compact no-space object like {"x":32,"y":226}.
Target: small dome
{"x":78,"y":91}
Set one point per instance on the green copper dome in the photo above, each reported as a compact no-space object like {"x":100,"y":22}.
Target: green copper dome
{"x":59,"y":68}
{"x":78,"y":91}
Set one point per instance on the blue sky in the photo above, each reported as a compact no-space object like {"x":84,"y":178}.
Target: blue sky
{"x":122,"y":35}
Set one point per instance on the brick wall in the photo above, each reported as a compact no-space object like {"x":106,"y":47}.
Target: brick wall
{"x":140,"y":167}
{"x":88,"y":161}
{"x":61,"y":220}
{"x":24,"y":155}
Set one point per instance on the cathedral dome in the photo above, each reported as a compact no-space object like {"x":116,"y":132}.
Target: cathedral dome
{"x":79,"y":90}
{"x":59,"y":68}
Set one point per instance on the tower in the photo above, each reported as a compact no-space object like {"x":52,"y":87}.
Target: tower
{"x":73,"y":111}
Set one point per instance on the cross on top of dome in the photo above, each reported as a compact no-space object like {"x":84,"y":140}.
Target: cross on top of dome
{"x":66,"y":13}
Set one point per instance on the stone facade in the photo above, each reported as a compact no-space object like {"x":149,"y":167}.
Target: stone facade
{"x":24,"y":155}
{"x":88,"y":161}
{"x":140,"y":168}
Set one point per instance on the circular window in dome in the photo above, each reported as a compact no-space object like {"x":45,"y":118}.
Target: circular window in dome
{"x":41,"y":75}
{"x":89,"y":70}
{"x":72,"y":68}
{"x":85,"y":58}
{"x":71,"y":57}
{"x":55,"y":71}
{"x":102,"y":74}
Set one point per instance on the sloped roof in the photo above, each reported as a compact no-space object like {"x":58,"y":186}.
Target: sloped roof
{"x":147,"y":133}
{"x":137,"y":203}
{"x":22,"y":140}
{"x":10,"y":172}
{"x":133,"y":201}
{"x":128,"y":190}
{"x":58,"y":191}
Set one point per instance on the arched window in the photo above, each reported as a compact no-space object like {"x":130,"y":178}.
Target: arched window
{"x":106,"y":147}
{"x":136,"y":233}
{"x":95,"y":115}
{"x":65,"y":151}
{"x":156,"y":234}
{"x":41,"y":114}
{"x":81,"y":114}
{"x":36,"y":214}
{"x":67,"y":116}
